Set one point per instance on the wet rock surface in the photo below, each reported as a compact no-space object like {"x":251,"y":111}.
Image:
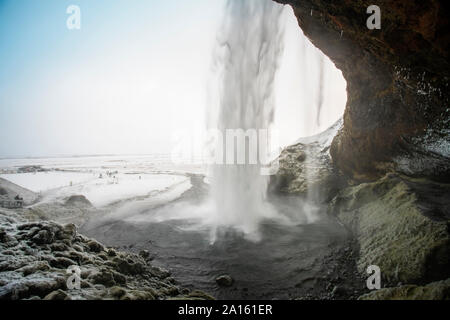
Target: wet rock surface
{"x":36,"y":259}
{"x":306,"y":168}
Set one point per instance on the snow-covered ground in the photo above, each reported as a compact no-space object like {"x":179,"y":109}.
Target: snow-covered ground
{"x":44,"y":181}
{"x":103,"y":180}
{"x":104,"y":191}
{"x":121,"y":163}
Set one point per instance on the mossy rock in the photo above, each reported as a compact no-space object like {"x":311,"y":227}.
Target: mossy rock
{"x":393,"y":233}
{"x":439,"y":290}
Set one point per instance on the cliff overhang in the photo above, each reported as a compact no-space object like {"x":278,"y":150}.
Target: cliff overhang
{"x":397,"y":115}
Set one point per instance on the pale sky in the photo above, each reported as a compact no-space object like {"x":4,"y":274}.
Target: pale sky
{"x":135,"y":72}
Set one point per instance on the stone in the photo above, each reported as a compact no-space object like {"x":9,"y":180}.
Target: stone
{"x":58,"y":246}
{"x":43,"y":237}
{"x":224,"y":280}
{"x":69,"y":231}
{"x":104,"y":277}
{"x":117,"y":292}
{"x":57,"y":295}
{"x":312,"y":176}
{"x":128,"y":265}
{"x":119,"y":278}
{"x":133,"y":296}
{"x":62,"y":263}
{"x":144,"y":254}
{"x":95,"y":246}
{"x":34,"y":267}
{"x":439,"y":290}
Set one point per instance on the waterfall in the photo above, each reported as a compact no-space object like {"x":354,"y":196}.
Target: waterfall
{"x":250,"y":73}
{"x":246,"y":59}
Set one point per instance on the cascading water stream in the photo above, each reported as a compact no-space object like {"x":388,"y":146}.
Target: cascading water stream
{"x":248,"y":63}
{"x":246,"y":59}
{"x":252,"y":51}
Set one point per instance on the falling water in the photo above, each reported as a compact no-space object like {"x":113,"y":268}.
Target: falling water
{"x":246,"y":59}
{"x":320,"y":94}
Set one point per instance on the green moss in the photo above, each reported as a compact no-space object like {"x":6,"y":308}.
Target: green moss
{"x":439,"y":290}
{"x":392,"y":231}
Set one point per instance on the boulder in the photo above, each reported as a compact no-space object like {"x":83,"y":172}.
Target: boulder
{"x":95,"y":246}
{"x":225,"y":280}
{"x":306,"y":168}
{"x":129,"y":264}
{"x":104,"y":277}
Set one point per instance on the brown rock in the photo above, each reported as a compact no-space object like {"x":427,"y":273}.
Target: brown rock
{"x":397,"y":83}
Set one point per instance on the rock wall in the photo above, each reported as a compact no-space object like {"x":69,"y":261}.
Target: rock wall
{"x":397,"y":115}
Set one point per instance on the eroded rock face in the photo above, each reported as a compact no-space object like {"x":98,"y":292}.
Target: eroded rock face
{"x":395,"y":232}
{"x":397,"y":115}
{"x":306,"y":168}
{"x":35,"y":257}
